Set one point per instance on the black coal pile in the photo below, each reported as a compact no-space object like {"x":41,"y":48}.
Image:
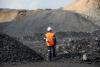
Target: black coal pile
{"x":3,"y":25}
{"x":81,"y":46}
{"x":71,"y":46}
{"x":73,"y":34}
{"x":12,"y":50}
{"x":59,"y":20}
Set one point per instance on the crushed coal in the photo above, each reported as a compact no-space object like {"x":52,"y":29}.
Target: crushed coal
{"x":59,"y":20}
{"x":12,"y":50}
{"x":75,"y":37}
{"x":80,"y":46}
{"x":71,"y":47}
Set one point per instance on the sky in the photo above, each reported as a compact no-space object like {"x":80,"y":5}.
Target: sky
{"x":33,"y":4}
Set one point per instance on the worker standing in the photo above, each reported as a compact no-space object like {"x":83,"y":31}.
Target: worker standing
{"x":51,"y":43}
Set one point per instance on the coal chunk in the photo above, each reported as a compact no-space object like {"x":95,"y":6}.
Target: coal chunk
{"x":12,"y":50}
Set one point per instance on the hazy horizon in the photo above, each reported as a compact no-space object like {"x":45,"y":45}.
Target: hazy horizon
{"x":33,"y":4}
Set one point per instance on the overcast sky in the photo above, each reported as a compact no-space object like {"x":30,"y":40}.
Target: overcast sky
{"x":33,"y":4}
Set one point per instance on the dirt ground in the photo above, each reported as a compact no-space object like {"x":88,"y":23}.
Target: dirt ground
{"x":50,"y":64}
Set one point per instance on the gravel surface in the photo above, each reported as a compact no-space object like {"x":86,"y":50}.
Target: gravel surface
{"x":70,"y":49}
{"x":49,"y":64}
{"x":12,"y":50}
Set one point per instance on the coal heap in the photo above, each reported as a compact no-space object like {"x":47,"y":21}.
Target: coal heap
{"x":88,"y":46}
{"x":30,"y":30}
{"x":61,"y":21}
{"x":12,"y":50}
{"x":75,"y":44}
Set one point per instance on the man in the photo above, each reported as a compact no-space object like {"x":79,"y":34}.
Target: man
{"x":51,"y":43}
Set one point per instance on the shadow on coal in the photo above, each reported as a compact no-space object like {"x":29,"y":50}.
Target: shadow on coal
{"x":12,"y":50}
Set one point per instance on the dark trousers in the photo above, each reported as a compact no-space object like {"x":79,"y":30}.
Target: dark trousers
{"x":51,"y":52}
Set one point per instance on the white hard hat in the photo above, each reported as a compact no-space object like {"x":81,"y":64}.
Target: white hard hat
{"x":49,"y":29}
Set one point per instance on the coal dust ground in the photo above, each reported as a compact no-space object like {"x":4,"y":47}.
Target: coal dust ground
{"x":70,"y":50}
{"x":14,"y":53}
{"x":50,"y":64}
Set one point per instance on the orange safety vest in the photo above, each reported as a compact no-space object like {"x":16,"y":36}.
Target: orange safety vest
{"x":50,"y":38}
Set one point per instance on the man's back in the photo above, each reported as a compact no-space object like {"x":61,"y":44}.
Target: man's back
{"x":50,"y":36}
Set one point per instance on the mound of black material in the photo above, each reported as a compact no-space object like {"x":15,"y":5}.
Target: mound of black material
{"x":12,"y":50}
{"x":3,"y":25}
{"x":61,"y":21}
{"x":89,"y":46}
{"x":32,"y":28}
